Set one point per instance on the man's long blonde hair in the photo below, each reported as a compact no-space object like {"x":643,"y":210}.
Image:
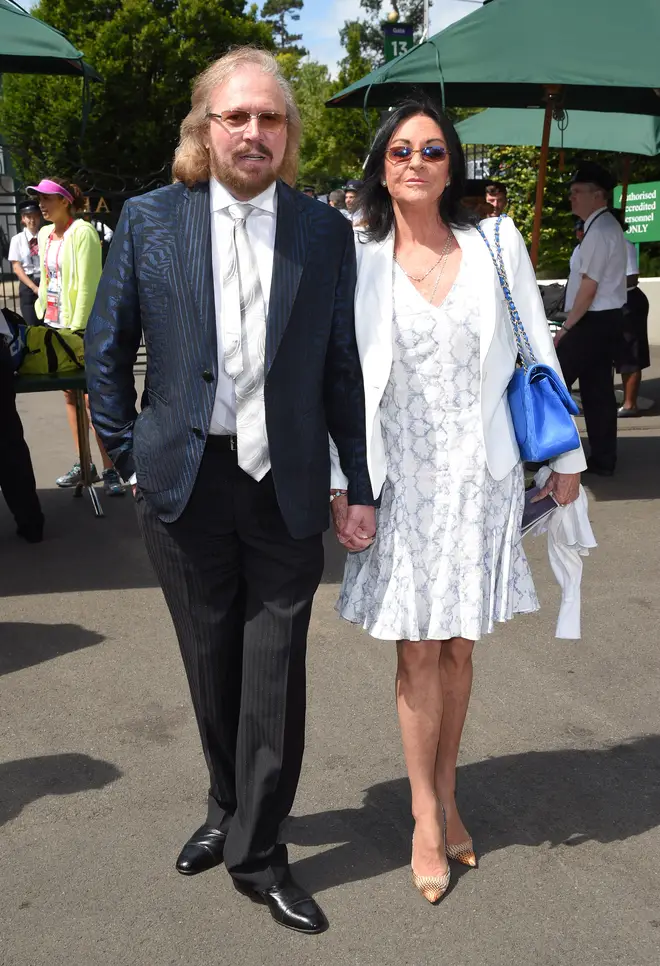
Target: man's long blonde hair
{"x":191,"y":158}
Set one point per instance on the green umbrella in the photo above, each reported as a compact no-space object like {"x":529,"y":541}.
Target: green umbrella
{"x":532,"y":53}
{"x":580,"y":130}
{"x":30,"y":46}
{"x":507,"y":52}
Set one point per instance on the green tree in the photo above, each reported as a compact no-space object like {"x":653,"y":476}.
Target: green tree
{"x":335,"y":141}
{"x":276,"y":12}
{"x":148,"y":52}
{"x":370,"y":26}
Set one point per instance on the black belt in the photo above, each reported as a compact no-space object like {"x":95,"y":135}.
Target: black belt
{"x":222,"y":444}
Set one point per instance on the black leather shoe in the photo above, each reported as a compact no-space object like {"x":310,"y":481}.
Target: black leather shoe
{"x":203,"y":850}
{"x":289,"y":905}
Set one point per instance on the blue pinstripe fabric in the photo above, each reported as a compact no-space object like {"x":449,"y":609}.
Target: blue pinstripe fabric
{"x":158,"y":281}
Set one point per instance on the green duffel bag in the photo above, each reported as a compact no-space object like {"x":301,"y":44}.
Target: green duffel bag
{"x":49,"y":351}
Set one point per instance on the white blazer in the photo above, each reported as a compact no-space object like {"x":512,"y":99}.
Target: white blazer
{"x":373,"y":325}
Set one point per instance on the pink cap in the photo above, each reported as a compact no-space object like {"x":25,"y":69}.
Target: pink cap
{"x":46,"y":187}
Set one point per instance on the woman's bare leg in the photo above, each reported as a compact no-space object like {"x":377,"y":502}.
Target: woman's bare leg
{"x":456,"y":684}
{"x":631,"y":383}
{"x":419,"y":703}
{"x":70,"y":399}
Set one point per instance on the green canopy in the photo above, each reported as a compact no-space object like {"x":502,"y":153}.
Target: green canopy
{"x":582,"y":130}
{"x":30,"y":46}
{"x":605,"y":53}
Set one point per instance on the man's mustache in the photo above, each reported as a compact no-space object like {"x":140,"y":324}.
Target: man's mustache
{"x":256,"y":148}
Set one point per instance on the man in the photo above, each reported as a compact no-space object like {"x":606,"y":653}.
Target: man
{"x":496,"y":197}
{"x":337,"y":199}
{"x":588,"y":340}
{"x":24,"y":258}
{"x":17,"y":481}
{"x":309,"y":191}
{"x":243,"y":289}
{"x":351,"y":189}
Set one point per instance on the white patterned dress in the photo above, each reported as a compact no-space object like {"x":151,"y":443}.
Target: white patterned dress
{"x":447,"y":560}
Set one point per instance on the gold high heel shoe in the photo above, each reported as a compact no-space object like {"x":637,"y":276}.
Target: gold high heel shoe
{"x":463,"y":853}
{"x":432,"y":887}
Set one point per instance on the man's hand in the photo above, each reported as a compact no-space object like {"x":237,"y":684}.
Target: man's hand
{"x":355,"y":526}
{"x":564,"y":487}
{"x":35,"y":288}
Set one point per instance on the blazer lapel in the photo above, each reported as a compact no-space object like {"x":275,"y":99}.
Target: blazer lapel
{"x":374,"y":309}
{"x":291,"y":238}
{"x":194,"y":254}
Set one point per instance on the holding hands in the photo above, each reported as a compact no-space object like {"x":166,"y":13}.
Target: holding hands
{"x":355,"y":526}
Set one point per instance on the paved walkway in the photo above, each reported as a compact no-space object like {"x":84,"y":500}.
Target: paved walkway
{"x":102,"y":778}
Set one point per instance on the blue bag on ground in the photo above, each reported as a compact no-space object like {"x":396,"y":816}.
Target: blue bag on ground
{"x":17,"y":339}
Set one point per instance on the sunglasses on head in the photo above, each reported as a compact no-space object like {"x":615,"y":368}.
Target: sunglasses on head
{"x":403,"y":152}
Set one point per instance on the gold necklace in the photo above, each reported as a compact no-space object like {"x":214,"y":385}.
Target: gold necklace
{"x":422,"y":278}
{"x":442,"y":267}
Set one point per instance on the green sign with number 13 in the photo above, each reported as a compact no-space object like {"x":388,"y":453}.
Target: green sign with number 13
{"x":398,"y":39}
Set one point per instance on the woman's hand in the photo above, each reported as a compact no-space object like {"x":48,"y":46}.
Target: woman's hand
{"x":559,"y":335}
{"x":564,"y":487}
{"x":354,"y":526}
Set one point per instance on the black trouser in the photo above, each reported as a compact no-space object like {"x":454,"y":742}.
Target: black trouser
{"x":587,"y":353}
{"x":239,"y":589}
{"x":27,"y":298}
{"x":16,"y":474}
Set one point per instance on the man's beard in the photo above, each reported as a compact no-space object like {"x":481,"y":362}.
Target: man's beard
{"x":240,"y":182}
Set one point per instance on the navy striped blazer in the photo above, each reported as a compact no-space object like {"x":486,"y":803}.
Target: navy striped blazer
{"x":158,"y":281}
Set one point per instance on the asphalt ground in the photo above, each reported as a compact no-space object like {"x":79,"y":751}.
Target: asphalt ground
{"x":102,"y":778}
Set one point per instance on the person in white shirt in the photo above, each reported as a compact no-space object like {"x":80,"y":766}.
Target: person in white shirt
{"x":633,"y":355}
{"x":337,"y":199}
{"x":24,"y":258}
{"x":588,"y":340}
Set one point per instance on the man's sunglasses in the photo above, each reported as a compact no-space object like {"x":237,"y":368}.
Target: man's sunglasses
{"x":270,"y":122}
{"x":402,"y":152}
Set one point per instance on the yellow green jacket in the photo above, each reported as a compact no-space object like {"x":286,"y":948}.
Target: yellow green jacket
{"x":81,"y":273}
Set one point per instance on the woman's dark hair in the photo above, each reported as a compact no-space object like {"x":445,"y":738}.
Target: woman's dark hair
{"x":373,"y":200}
{"x":74,"y":191}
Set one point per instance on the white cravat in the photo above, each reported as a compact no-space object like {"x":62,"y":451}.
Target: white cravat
{"x":261,"y":228}
{"x":244,"y":338}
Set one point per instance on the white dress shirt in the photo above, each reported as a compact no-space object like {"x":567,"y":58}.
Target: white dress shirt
{"x":19,"y":251}
{"x":261,"y":227}
{"x":602,"y":257}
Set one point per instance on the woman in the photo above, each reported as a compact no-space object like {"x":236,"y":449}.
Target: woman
{"x":633,"y":353}
{"x":438,"y":353}
{"x":70,"y":258}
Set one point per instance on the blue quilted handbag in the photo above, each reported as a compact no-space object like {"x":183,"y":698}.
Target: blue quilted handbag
{"x":541,"y":406}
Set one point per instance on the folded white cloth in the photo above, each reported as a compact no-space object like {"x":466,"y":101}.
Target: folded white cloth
{"x":570,"y":538}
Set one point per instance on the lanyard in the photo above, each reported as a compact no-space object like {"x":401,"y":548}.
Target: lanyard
{"x":59,"y":250}
{"x":603,"y":212}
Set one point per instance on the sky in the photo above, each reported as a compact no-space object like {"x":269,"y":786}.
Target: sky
{"x":320,"y":21}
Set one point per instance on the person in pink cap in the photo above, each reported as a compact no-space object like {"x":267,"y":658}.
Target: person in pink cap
{"x":70,"y":259}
